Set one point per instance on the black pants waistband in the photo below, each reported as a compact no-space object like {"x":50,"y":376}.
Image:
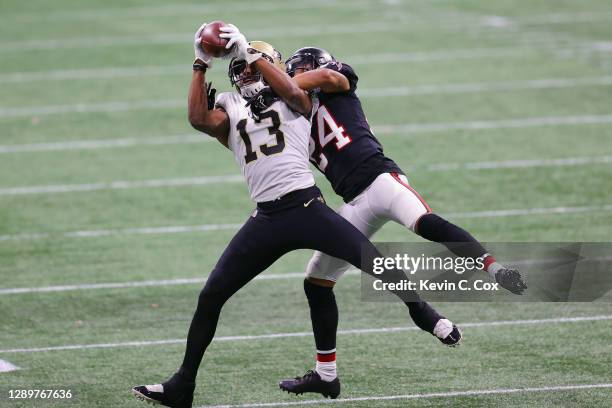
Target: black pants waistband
{"x":289,"y":200}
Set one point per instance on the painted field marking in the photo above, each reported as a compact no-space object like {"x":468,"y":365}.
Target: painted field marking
{"x":450,"y":22}
{"x":173,"y":10}
{"x":201,"y":280}
{"x":481,"y":87}
{"x":496,"y":124}
{"x":304,"y":334}
{"x":6,"y":367}
{"x":371,"y":59}
{"x":396,"y":91}
{"x":142,"y":284}
{"x":446,"y":394}
{"x":106,"y":143}
{"x":237,"y":178}
{"x":181,"y":229}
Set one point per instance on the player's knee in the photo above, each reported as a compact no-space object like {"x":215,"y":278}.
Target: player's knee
{"x":321,"y":267}
{"x":432,"y":227}
{"x":321,"y":282}
{"x":213,"y":294}
{"x":319,"y":296}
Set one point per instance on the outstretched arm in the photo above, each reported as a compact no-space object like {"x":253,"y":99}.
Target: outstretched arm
{"x":214,"y":122}
{"x":326,"y":79}
{"x":284,"y":86}
{"x":279,"y":81}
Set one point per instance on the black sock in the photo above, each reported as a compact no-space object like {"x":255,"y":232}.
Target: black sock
{"x":179,"y":381}
{"x":423,"y":315}
{"x":323,"y":313}
{"x":456,"y":239}
{"x":201,"y":331}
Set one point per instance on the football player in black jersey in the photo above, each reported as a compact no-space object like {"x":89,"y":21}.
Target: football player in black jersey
{"x":375,"y":191}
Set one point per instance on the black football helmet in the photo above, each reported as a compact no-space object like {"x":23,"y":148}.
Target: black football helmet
{"x":308,"y":58}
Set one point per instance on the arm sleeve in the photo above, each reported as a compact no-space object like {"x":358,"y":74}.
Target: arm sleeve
{"x":345,"y":70}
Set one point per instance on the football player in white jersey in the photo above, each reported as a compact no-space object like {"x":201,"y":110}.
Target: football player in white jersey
{"x":269,"y":138}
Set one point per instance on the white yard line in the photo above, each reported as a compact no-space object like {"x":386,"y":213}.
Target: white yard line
{"x":118,"y":106}
{"x":305,"y":334}
{"x":237,"y":178}
{"x":496,"y":124}
{"x":141,"y":284}
{"x":187,"y":37}
{"x":178,"y":9}
{"x":6,"y":367}
{"x":106,"y":143}
{"x":382,"y":129}
{"x":371,"y":59}
{"x":447,"y":22}
{"x":397,"y":91}
{"x":446,"y":394}
{"x":481,"y":87}
{"x":508,"y":164}
{"x":201,"y":280}
{"x":181,"y":229}
{"x":121,"y":185}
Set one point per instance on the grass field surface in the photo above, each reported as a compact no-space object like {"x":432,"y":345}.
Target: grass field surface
{"x":113,"y":210}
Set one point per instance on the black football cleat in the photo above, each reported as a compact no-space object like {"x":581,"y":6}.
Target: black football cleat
{"x":511,"y":280}
{"x":448,"y":333}
{"x":311,"y":382}
{"x":173,"y":393}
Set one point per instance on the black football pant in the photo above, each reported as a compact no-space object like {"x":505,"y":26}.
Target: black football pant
{"x":299,"y":220}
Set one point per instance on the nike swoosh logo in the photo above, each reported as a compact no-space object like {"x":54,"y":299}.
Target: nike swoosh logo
{"x":307,"y":203}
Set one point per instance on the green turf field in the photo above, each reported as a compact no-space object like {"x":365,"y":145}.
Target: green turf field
{"x":113,"y":210}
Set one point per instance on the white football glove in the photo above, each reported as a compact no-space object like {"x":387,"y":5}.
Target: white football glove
{"x":241,"y":48}
{"x":197,"y":47}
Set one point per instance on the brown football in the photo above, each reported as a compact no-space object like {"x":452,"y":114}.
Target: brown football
{"x":211,"y":42}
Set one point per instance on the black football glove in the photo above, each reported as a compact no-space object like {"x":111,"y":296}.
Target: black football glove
{"x":511,"y":280}
{"x":210,"y":93}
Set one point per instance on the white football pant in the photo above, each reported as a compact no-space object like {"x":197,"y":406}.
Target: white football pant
{"x":388,"y":198}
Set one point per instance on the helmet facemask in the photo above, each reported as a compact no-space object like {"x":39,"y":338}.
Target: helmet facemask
{"x":307,"y":59}
{"x":305,"y":62}
{"x":251,"y":84}
{"x":248,"y":85}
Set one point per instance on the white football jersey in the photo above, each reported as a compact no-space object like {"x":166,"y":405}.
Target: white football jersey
{"x":272,"y":152}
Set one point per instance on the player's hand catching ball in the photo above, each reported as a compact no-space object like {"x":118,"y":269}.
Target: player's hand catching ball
{"x":237,"y":40}
{"x":200,"y":54}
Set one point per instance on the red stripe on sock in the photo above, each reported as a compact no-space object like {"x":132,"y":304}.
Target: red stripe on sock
{"x":488,"y":261}
{"x":326,"y":358}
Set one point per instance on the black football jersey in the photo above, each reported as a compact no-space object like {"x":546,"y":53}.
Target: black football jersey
{"x":342,"y":145}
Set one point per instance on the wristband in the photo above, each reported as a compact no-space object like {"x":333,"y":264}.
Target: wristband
{"x":199,"y":67}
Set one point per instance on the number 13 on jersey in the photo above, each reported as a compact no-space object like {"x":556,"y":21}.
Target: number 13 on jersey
{"x":327,"y":131}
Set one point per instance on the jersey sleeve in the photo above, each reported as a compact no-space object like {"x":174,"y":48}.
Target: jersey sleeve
{"x":229,"y":102}
{"x":223,"y":101}
{"x":345,"y":70}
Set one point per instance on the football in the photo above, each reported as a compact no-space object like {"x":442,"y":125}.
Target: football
{"x":212,"y":44}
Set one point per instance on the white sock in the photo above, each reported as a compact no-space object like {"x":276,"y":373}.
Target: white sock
{"x":492,"y":267}
{"x":326,"y":370}
{"x":443,"y":328}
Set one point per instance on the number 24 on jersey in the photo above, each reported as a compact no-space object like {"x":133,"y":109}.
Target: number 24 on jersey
{"x":325,"y":121}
